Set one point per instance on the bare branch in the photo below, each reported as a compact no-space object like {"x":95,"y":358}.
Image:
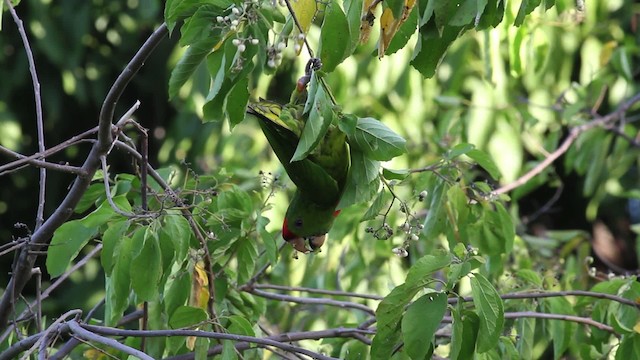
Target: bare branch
{"x":317,"y":291}
{"x":197,"y":333}
{"x":22,"y":269}
{"x":41,"y":164}
{"x":314,"y":301}
{"x":290,"y":337}
{"x":59,"y":281}
{"x":38,"y":100}
{"x":206,"y":257}
{"x":92,"y":336}
{"x":63,"y":145}
{"x":548,"y":316}
{"x":566,"y":144}
{"x":45,"y":333}
{"x":539,"y":295}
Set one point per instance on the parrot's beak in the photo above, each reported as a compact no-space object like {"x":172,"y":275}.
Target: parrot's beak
{"x":308,"y":244}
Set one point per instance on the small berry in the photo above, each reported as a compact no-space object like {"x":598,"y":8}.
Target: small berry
{"x":281,"y":45}
{"x":401,"y":252}
{"x":271,"y":63}
{"x":414,"y":237}
{"x":234,"y":22}
{"x":242,"y":47}
{"x":219,"y":19}
{"x":236,"y":42}
{"x":255,"y":41}
{"x":235,"y":11}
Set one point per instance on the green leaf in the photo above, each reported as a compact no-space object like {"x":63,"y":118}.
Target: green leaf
{"x":484,"y":160}
{"x":185,"y":316}
{"x":320,"y":118}
{"x":236,"y":102}
{"x":269,"y":240}
{"x":530,"y":276}
{"x":378,"y":203}
{"x":228,"y":350}
{"x":118,"y":285}
{"x":431,"y":47}
{"x":404,"y":33}
{"x":188,"y":63}
{"x":465,"y":333}
{"x":376,"y":140}
{"x":66,"y":244}
{"x":506,"y":225}
{"x":354,"y":14}
{"x":388,"y":315}
{"x":459,"y":149}
{"x":146,"y":268}
{"x":363,"y":182}
{"x":395,"y":174}
{"x":561,"y":331}
{"x":436,"y":217}
{"x":491,"y":311}
{"x":240,"y":325}
{"x":526,"y":7}
{"x":198,"y":26}
{"x":629,"y":347}
{"x":396,"y":7}
{"x":110,"y":242}
{"x":419,"y":274}
{"x":247,"y":255}
{"x":90,"y":197}
{"x":420,"y":322}
{"x":335,"y":37}
{"x":468,"y":13}
{"x":177,"y":228}
{"x":177,"y":293}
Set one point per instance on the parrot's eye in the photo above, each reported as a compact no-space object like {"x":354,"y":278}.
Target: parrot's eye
{"x":298,"y":223}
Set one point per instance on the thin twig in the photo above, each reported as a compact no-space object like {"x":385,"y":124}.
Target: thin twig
{"x":299,"y":26}
{"x":63,"y":145}
{"x":566,"y":144}
{"x":548,"y":316}
{"x":197,"y":333}
{"x":107,"y":190}
{"x":206,"y":257}
{"x":41,"y":164}
{"x":317,"y":291}
{"x":53,"y":326}
{"x":312,"y":301}
{"x":59,"y":281}
{"x":38,"y":100}
{"x":92,"y":336}
{"x":539,"y":295}
{"x":290,"y":337}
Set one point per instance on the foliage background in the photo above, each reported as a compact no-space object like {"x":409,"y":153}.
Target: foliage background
{"x":511,"y":91}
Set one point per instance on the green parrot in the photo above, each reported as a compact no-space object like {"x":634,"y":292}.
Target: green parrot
{"x":320,"y":178}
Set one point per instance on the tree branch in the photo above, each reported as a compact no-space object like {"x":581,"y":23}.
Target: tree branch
{"x":38,"y":100}
{"x":538,"y":295}
{"x":289,"y":337}
{"x":197,"y":333}
{"x":47,"y":292}
{"x":314,"y":301}
{"x":63,"y":145}
{"x":92,"y":336}
{"x":22,"y":269}
{"x":41,"y":164}
{"x":317,"y":291}
{"x":566,"y":144}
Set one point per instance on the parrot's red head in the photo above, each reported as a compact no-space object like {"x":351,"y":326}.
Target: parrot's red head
{"x":307,"y":244}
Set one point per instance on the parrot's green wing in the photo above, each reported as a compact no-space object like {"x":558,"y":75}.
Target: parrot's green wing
{"x":312,"y":175}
